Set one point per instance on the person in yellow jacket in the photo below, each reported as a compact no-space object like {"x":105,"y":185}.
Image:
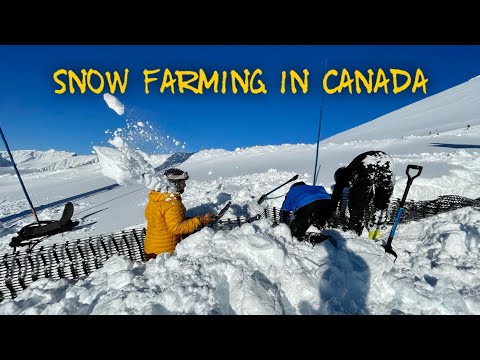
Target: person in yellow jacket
{"x":165,"y":214}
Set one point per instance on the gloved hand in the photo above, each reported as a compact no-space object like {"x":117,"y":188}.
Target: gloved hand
{"x":206,"y":218}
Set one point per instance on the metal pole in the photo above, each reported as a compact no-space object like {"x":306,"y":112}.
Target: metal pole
{"x":318,"y":141}
{"x":315,"y":171}
{"x":19,"y":177}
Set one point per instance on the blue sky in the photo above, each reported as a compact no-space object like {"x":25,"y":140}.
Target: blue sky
{"x":33,"y":116}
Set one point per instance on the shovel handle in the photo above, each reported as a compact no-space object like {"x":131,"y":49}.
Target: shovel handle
{"x":388,"y":246}
{"x":415,"y":167}
{"x":410,"y":180}
{"x":285,"y":183}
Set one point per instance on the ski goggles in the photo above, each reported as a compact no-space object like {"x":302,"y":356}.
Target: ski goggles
{"x":183,"y":176}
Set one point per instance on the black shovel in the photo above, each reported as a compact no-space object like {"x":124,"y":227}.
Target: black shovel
{"x":262,"y":198}
{"x":388,"y":246}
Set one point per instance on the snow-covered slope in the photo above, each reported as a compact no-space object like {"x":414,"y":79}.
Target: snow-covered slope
{"x":451,"y":110}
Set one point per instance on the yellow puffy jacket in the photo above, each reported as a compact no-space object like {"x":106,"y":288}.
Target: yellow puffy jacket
{"x":166,"y":223}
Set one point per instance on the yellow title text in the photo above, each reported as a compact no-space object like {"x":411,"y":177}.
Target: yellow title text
{"x":244,"y":82}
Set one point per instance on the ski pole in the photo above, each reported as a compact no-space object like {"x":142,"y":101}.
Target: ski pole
{"x":19,"y":177}
{"x":285,"y":183}
{"x":388,"y":246}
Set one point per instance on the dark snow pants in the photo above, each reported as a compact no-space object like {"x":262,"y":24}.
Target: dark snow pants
{"x":315,"y":214}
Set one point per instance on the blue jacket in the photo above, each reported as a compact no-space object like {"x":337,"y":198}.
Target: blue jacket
{"x":302,"y":194}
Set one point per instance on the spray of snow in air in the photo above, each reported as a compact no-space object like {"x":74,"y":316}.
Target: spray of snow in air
{"x":141,"y":135}
{"x":127,"y":166}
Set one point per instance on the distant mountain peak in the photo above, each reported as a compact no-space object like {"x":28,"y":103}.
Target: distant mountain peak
{"x":45,"y":160}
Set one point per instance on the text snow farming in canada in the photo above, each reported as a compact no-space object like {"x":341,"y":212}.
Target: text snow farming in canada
{"x":180,"y":81}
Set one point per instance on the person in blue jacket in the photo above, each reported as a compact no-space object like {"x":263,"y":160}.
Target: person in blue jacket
{"x":309,"y":205}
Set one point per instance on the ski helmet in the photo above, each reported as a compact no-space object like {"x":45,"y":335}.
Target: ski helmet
{"x":339,"y":173}
{"x":174,"y":174}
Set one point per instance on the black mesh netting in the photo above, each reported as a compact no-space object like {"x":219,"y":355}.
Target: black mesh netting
{"x":70,"y":259}
{"x":78,"y":258}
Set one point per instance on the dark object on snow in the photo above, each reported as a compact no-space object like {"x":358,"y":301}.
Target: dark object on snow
{"x":220,"y":214}
{"x":44,"y":228}
{"x":278,"y":187}
{"x":39,"y":228}
{"x":369,"y":177}
{"x":388,"y":245}
{"x":316,"y":238}
{"x":417,"y":210}
{"x":71,"y":259}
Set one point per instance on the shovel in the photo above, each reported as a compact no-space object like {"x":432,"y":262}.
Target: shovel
{"x":388,"y":245}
